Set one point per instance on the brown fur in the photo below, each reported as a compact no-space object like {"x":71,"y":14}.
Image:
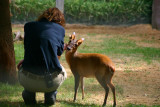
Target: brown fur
{"x":90,"y":65}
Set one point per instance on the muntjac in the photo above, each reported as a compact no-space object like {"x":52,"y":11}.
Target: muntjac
{"x":90,"y":65}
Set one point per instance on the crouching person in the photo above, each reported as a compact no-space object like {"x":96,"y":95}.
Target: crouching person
{"x":41,"y":71}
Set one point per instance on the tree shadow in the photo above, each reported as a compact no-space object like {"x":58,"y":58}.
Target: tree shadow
{"x":6,"y":103}
{"x":20,"y":104}
{"x":72,"y":104}
{"x":90,"y":84}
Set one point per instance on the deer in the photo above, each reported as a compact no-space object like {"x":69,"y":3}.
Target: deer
{"x":89,"y":65}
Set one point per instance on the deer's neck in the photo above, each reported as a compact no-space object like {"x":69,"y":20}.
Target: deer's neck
{"x":70,"y":57}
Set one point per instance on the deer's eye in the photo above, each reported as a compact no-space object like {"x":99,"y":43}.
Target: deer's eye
{"x":76,"y":44}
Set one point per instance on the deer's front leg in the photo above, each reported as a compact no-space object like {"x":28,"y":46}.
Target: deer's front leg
{"x":82,"y":87}
{"x":76,"y":79}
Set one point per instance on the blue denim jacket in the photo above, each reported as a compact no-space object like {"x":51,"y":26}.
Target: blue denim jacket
{"x":43,"y":41}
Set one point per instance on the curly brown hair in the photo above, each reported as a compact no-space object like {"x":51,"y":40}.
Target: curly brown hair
{"x":53,"y":15}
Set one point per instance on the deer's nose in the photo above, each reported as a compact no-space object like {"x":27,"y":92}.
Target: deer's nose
{"x":68,"y":48}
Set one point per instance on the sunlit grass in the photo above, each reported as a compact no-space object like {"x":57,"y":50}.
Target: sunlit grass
{"x":114,"y":46}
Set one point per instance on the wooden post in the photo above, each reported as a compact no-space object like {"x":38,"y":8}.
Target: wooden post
{"x":60,"y":5}
{"x":156,"y":14}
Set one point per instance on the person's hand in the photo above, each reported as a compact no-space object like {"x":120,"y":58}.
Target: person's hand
{"x":19,"y":64}
{"x":65,"y":46}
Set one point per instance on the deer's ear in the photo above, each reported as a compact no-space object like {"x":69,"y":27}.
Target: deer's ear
{"x":80,"y":41}
{"x":73,"y":36}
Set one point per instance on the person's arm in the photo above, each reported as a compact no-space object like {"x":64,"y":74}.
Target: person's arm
{"x":65,"y":47}
{"x":59,"y":57}
{"x":20,"y":64}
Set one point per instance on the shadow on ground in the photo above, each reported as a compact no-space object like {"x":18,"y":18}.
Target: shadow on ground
{"x":40,"y":104}
{"x":71,"y":103}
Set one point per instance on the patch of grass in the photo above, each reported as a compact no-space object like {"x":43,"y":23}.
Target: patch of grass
{"x":10,"y":93}
{"x":123,"y":46}
{"x":135,"y":105}
{"x":71,"y":104}
{"x":148,"y":41}
{"x":91,"y":34}
{"x":68,"y":86}
{"x":119,"y":89}
{"x":127,"y":71}
{"x":19,"y":51}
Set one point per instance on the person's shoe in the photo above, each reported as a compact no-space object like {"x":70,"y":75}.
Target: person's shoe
{"x":29,"y":97}
{"x":50,"y":98}
{"x":50,"y":101}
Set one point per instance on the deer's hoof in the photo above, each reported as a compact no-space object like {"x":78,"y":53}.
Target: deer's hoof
{"x":104,"y":104}
{"x":114,"y":105}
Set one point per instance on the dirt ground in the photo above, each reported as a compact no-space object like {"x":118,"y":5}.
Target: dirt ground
{"x":142,"y":84}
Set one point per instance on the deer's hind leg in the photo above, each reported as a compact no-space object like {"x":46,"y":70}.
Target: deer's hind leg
{"x":103,"y":83}
{"x":110,"y":84}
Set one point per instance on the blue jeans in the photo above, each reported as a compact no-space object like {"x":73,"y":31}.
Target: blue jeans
{"x":30,"y":97}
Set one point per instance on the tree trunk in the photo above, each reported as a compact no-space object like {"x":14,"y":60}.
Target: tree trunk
{"x":7,"y":55}
{"x":60,"y":5}
{"x":156,"y":14}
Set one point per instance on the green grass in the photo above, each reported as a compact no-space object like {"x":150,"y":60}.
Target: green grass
{"x":19,"y":51}
{"x":134,"y":105}
{"x":129,"y":48}
{"x":11,"y":96}
{"x":120,"y":46}
{"x":9,"y":90}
